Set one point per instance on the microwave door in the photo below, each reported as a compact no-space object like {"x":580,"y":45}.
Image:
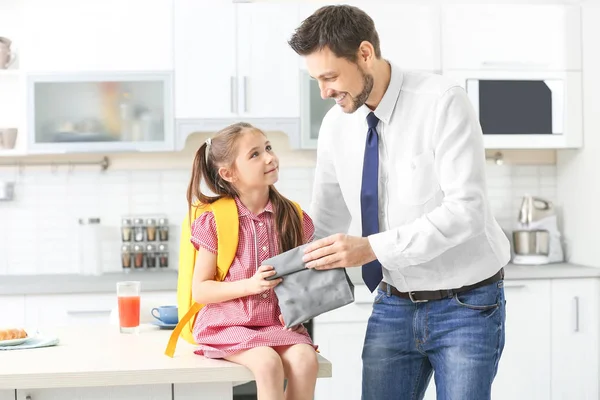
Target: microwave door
{"x":507,"y":107}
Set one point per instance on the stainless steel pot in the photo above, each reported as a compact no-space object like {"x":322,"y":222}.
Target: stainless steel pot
{"x":531,"y":242}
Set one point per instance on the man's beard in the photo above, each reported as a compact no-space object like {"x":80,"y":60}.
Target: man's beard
{"x":363,"y":96}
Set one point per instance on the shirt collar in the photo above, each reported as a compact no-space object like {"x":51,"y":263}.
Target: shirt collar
{"x":385,"y":109}
{"x":244,"y":212}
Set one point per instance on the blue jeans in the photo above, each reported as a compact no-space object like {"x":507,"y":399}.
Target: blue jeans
{"x":460,"y":338}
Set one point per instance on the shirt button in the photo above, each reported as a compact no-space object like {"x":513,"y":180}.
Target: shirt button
{"x":264,"y":295}
{"x":264,"y":248}
{"x":260,"y":224}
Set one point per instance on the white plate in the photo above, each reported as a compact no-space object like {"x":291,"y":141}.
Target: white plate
{"x":13,"y":342}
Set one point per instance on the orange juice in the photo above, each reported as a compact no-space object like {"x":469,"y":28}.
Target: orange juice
{"x":129,"y":311}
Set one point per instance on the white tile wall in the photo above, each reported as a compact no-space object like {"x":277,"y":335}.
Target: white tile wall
{"x":39,"y":229}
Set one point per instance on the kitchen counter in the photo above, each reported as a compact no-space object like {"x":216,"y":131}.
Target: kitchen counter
{"x":101,"y":356}
{"x":57,"y":284}
{"x":167,"y":280}
{"x":550,"y":271}
{"x":517,"y":272}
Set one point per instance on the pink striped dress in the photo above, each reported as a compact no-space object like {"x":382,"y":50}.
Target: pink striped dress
{"x":222,"y":329}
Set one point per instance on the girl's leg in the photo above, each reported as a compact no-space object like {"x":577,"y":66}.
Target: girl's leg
{"x":301,"y":366}
{"x":265,"y":364}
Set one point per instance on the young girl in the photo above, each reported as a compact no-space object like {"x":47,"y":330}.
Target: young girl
{"x":241,"y":320}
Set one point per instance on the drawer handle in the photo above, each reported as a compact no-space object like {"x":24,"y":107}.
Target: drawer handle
{"x":576,"y":303}
{"x":92,"y":312}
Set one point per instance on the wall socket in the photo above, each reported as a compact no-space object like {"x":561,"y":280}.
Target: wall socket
{"x":7,"y":191}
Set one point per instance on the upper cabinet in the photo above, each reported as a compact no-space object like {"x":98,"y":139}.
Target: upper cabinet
{"x":99,"y":112}
{"x":511,"y":36}
{"x":109,"y":35}
{"x":232,"y":61}
{"x":409,"y":33}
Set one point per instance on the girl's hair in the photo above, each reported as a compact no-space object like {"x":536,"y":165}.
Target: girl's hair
{"x":221,"y":152}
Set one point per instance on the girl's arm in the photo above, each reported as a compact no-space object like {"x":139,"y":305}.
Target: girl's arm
{"x":205,"y":290}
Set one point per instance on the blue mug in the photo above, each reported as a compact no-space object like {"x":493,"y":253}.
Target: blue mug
{"x":166,"y":314}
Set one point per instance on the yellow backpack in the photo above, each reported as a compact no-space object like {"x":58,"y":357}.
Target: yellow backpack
{"x":227,"y":222}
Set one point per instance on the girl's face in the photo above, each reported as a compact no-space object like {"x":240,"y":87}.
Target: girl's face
{"x":256,"y":166}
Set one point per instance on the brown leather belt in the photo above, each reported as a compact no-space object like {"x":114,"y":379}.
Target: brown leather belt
{"x":427,"y":295}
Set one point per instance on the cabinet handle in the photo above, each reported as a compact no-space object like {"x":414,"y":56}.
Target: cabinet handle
{"x":233,"y":94}
{"x":576,"y":303}
{"x":517,"y":64}
{"x":82,"y":312}
{"x":246,"y":94}
{"x":518,"y":286}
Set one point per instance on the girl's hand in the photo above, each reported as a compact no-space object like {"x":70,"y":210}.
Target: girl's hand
{"x":296,"y":328}
{"x":258,"y":283}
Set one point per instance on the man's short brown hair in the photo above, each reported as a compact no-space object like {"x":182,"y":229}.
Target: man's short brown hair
{"x":341,"y":28}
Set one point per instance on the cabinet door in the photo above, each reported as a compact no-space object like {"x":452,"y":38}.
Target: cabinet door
{"x":527,"y":342}
{"x":88,"y":309}
{"x":134,"y":392}
{"x":575,"y":335}
{"x":7,"y":395}
{"x":340,"y":335}
{"x":268,"y":73}
{"x":205,"y":70}
{"x":49,"y":311}
{"x":511,"y":36}
{"x":13,"y":311}
{"x":398,"y":25}
{"x":112,"y":35}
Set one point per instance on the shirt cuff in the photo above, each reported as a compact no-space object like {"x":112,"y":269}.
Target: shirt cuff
{"x":386,"y":250}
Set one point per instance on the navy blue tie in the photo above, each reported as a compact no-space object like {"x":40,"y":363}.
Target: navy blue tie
{"x":371,"y":272}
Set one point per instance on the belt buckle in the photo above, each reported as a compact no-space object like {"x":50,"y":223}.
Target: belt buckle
{"x":410,"y":295}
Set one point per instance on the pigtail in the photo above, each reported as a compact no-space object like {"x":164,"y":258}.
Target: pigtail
{"x":288,"y":221}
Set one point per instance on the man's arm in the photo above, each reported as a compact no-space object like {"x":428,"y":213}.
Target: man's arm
{"x":460,"y":167}
{"x":328,"y":209}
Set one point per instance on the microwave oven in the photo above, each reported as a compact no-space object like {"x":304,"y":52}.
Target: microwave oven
{"x":532,"y":103}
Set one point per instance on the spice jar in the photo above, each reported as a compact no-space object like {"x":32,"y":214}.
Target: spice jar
{"x":138,"y":256}
{"x":151,"y":256}
{"x":151,"y":229}
{"x":163,"y":255}
{"x":126,"y":230}
{"x":163,"y":229}
{"x":138,"y":230}
{"x":126,"y":257}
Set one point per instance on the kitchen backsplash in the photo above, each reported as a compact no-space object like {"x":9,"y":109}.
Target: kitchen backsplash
{"x":39,"y":229}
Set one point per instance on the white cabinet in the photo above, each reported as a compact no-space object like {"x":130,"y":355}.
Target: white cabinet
{"x":528,"y":342}
{"x":205,"y":54}
{"x":49,"y":311}
{"x":575,"y":335}
{"x":399,"y":24}
{"x":233,"y":60}
{"x":340,"y":335}
{"x":12,"y":313}
{"x":7,"y":395}
{"x":133,"y":392}
{"x":112,"y":35}
{"x":511,"y":36}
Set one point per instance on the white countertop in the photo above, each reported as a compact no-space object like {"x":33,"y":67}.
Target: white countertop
{"x":157,"y":280}
{"x":167,"y":280}
{"x":101,"y":356}
{"x":550,"y":271}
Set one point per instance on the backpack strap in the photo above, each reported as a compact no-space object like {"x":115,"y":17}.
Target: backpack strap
{"x":227,"y":222}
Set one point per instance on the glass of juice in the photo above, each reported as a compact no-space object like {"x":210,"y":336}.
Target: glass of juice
{"x":128,"y":295}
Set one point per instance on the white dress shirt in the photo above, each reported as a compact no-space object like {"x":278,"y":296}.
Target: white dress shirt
{"x":436,"y":228}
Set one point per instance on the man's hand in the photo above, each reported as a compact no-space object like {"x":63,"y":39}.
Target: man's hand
{"x":338,"y":251}
{"x":296,"y":328}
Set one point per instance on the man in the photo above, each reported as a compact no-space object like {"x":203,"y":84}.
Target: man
{"x":402,"y":153}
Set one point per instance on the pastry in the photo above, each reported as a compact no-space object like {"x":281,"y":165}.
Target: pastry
{"x":8,"y":334}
